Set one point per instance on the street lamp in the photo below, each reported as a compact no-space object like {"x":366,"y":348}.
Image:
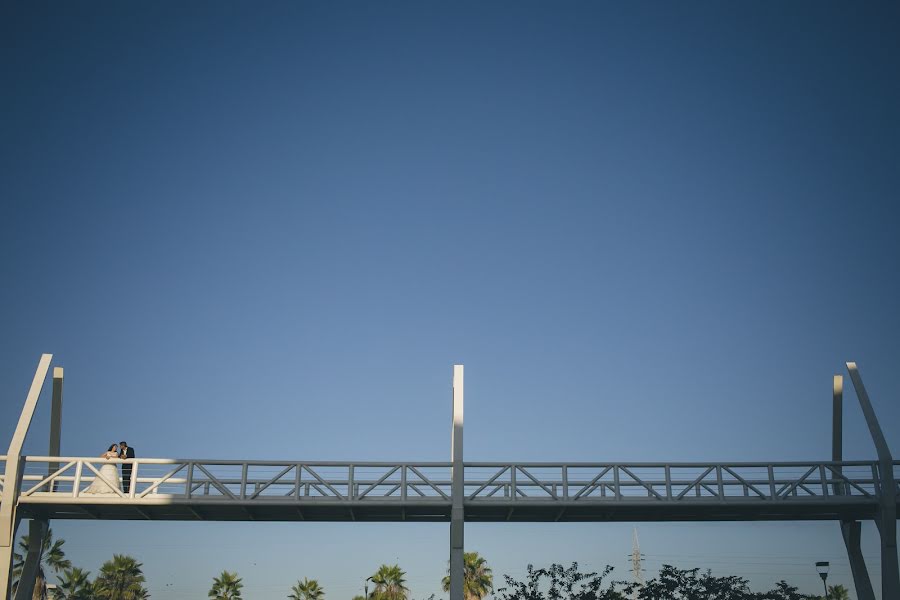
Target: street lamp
{"x":822,"y":570}
{"x":366,"y":587}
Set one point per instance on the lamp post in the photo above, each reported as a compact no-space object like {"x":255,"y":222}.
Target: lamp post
{"x":822,"y":570}
{"x":366,"y":587}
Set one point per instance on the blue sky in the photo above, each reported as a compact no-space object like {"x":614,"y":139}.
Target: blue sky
{"x":650,"y":232}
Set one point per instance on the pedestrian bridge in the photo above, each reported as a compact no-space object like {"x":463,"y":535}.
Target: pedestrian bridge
{"x":222,"y":490}
{"x":42,"y":488}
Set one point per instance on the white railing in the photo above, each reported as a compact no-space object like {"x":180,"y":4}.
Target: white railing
{"x":210,"y":480}
{"x":192,"y":480}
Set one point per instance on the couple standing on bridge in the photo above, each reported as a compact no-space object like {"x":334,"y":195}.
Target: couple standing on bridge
{"x":108,"y":481}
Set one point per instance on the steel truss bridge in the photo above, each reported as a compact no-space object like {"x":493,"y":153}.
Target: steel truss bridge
{"x":41,"y":488}
{"x":218,"y":490}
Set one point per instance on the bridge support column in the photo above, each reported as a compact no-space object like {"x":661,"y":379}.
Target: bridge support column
{"x":457,"y":516}
{"x":851,"y":533}
{"x":56,"y":420}
{"x":887,"y":493}
{"x":850,"y":530}
{"x":13,"y":476}
{"x":37,"y":528}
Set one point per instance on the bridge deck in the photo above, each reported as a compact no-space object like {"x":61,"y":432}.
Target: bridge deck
{"x":193,"y":489}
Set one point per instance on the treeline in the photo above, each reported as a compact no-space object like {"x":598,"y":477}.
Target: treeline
{"x":569,"y":583}
{"x":122,"y":578}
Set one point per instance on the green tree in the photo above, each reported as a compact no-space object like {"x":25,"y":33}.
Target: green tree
{"x":226,"y":586}
{"x":120,"y":579}
{"x":561,"y":584}
{"x":673,"y":583}
{"x":74,"y":585}
{"x":390,"y":583}
{"x":52,"y":556}
{"x":838,"y":592}
{"x":783,"y":591}
{"x":308,"y":589}
{"x":478,"y":578}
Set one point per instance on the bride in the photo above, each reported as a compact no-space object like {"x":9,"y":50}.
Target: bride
{"x":108,"y":482}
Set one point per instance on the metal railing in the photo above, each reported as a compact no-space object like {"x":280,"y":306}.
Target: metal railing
{"x":672,"y":482}
{"x":49,"y":479}
{"x":258,"y":481}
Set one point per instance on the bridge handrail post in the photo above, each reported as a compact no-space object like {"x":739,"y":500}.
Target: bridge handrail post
{"x":189,"y":480}
{"x":132,"y":485}
{"x":824,"y":480}
{"x":76,"y":486}
{"x":668,"y":471}
{"x":350,"y":483}
{"x":616,"y":482}
{"x":720,"y":484}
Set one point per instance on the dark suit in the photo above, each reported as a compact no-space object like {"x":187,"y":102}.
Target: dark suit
{"x":126,"y":469}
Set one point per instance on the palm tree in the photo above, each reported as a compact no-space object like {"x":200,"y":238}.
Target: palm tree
{"x":74,"y":585}
{"x":120,"y":579}
{"x":52,"y":556}
{"x":308,"y":589}
{"x":226,"y":586}
{"x":838,"y":592}
{"x":478,"y":581}
{"x":389,"y":583}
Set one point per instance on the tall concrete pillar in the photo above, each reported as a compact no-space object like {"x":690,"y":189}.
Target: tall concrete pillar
{"x":887,"y":499}
{"x":56,"y":418}
{"x":457,"y":518}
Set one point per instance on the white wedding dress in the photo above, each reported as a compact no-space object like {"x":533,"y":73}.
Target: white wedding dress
{"x":107,"y":483}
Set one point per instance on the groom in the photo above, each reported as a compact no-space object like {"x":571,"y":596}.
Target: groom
{"x":125,"y":451}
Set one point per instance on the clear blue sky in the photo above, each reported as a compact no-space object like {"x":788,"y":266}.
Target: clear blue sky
{"x":651,"y":231}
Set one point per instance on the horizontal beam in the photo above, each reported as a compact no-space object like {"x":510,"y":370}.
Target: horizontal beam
{"x":382,"y":464}
{"x":439,"y":511}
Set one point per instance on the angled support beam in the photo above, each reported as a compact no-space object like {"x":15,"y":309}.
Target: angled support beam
{"x":457,"y":518}
{"x":37,"y":528}
{"x":887,"y":496}
{"x":850,"y":530}
{"x":13,"y":475}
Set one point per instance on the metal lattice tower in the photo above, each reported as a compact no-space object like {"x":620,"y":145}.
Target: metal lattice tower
{"x":636,"y":558}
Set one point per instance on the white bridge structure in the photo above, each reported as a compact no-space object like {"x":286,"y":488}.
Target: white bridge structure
{"x":41,"y":488}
